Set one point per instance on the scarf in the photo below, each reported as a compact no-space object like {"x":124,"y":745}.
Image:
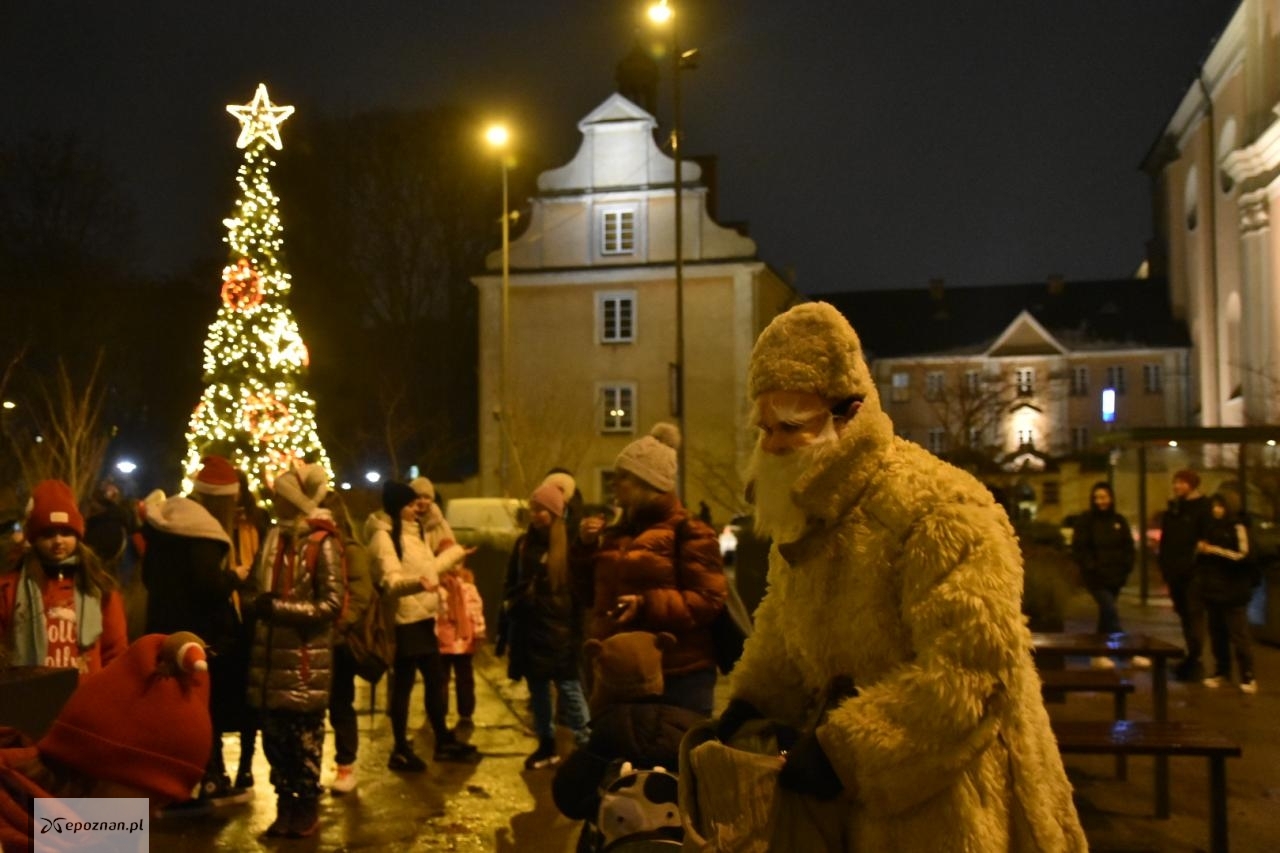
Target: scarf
{"x":30,"y":631}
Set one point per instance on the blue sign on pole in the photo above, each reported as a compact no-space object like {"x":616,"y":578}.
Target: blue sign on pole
{"x":1108,"y":405}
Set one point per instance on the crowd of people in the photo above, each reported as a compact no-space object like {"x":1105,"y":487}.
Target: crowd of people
{"x":888,"y":693}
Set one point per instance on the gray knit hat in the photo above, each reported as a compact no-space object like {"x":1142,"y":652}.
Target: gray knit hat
{"x":423,"y":487}
{"x":653,"y":457}
{"x":810,"y":348}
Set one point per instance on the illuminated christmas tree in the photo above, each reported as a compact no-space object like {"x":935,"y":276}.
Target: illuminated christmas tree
{"x":254,"y":410}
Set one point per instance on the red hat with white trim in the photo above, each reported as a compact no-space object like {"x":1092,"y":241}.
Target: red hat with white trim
{"x":217,"y":477}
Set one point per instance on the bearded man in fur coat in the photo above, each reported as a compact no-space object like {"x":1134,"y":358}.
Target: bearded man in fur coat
{"x":897,"y":577}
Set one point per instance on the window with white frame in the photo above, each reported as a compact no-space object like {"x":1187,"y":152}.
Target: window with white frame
{"x":937,"y":440}
{"x":618,"y":231}
{"x":900,"y":392}
{"x":1026,"y":436}
{"x":1079,"y":381}
{"x":934,"y":382}
{"x":1025,"y":378}
{"x":619,"y":407}
{"x":1152,"y":381}
{"x":1115,"y":378}
{"x":1079,"y":439}
{"x":973,"y":382}
{"x":616,"y":317}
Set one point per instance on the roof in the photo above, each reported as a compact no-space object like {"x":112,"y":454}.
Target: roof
{"x":1078,"y":316}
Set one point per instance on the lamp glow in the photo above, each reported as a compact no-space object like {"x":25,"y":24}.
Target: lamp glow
{"x":372,"y":476}
{"x":660,"y":12}
{"x":1108,"y":405}
{"x":124,"y":466}
{"x":497,"y":136}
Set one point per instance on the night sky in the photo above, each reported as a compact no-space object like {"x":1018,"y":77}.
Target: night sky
{"x":867,"y":144}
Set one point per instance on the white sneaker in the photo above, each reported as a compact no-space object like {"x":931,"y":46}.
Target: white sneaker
{"x":1213,"y":682}
{"x":1140,"y":662}
{"x":1250,"y":686}
{"x":1102,"y":663}
{"x":345,"y":781}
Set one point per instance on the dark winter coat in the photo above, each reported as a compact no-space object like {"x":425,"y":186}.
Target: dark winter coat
{"x":1224,"y":575}
{"x":1182,"y":527}
{"x":1102,"y":545}
{"x":539,"y":627}
{"x":682,"y":597}
{"x":647,"y":733}
{"x":291,"y":664}
{"x":188,"y":583}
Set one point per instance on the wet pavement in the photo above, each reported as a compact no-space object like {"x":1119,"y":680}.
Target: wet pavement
{"x":496,"y":805}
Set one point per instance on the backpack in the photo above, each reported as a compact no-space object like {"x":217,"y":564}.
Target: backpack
{"x":371,"y":639}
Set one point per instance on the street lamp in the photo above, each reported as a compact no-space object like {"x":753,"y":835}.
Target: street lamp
{"x":499,"y":138}
{"x":662,"y":14}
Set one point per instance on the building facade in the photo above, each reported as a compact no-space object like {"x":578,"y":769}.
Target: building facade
{"x":1216,"y":179}
{"x":591,"y":321}
{"x":1012,"y":381}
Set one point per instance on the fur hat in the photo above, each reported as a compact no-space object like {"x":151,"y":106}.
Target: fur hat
{"x":423,"y":488}
{"x":1191,"y":478}
{"x":627,"y":667}
{"x":396,"y":496}
{"x":305,"y":486}
{"x":217,"y":476}
{"x":653,"y":457}
{"x":53,"y":507}
{"x":143,"y":720}
{"x":550,"y":497}
{"x":810,"y":348}
{"x":563,"y":481}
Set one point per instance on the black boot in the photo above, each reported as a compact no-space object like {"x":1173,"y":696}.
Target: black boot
{"x":285,"y":805}
{"x":544,"y":756}
{"x":305,"y":818}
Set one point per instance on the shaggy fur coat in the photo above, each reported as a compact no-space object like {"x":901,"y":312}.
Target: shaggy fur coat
{"x":909,"y":579}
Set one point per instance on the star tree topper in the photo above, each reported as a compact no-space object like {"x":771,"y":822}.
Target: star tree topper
{"x":259,"y":119}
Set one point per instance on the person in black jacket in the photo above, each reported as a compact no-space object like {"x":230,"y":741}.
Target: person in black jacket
{"x":1102,"y":545}
{"x":1181,"y":528}
{"x":1224,"y":583}
{"x":539,"y":624}
{"x":630,"y":722}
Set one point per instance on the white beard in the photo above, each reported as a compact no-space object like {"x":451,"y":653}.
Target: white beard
{"x":775,"y":476}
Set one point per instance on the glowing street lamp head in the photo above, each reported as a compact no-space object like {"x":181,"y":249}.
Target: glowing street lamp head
{"x":497,"y":136}
{"x":660,"y":12}
{"x":126,"y":467}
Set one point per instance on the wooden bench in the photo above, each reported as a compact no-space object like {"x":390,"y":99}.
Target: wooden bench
{"x":1093,"y":681}
{"x":1159,"y":738}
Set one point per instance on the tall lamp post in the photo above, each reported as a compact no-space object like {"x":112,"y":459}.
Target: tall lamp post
{"x":662,"y":14}
{"x":499,"y":139}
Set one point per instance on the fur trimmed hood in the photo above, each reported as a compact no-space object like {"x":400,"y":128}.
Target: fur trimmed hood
{"x":182,"y":517}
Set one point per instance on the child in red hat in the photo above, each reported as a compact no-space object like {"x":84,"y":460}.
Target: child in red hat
{"x":138,"y":728}
{"x":58,"y":606}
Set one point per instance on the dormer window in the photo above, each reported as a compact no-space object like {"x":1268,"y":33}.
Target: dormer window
{"x":618,"y":231}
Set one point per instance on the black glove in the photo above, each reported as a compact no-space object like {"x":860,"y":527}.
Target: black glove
{"x":738,"y":712}
{"x":809,"y":771}
{"x":264,"y":605}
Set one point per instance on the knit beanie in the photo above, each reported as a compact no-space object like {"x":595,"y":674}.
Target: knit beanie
{"x":305,"y":486}
{"x":549,"y":497}
{"x":627,"y":667}
{"x":1191,"y":478}
{"x":217,"y":476}
{"x":563,"y":481}
{"x":653,"y":457}
{"x":142,"y":720}
{"x":423,"y":488}
{"x":810,"y":348}
{"x":53,"y":507}
{"x":396,"y":496}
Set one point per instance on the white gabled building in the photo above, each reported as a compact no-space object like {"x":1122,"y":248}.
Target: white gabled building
{"x":592,"y":320}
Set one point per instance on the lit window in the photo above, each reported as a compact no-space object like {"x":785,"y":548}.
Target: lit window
{"x":1026,"y":437}
{"x":616,"y":317}
{"x":1026,"y":380}
{"x":618,"y":231}
{"x":934,"y":381}
{"x":901,"y":390}
{"x":619,"y":408}
{"x":1152,"y":381}
{"x":1115,"y":378}
{"x":1079,"y":381}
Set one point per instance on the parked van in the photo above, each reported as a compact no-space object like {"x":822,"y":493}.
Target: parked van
{"x":491,"y":526}
{"x":488,"y":515}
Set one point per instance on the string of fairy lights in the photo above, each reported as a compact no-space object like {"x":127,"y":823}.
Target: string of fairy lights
{"x":253,"y":410}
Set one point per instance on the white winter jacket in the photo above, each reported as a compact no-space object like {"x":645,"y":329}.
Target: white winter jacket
{"x":400,"y":576}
